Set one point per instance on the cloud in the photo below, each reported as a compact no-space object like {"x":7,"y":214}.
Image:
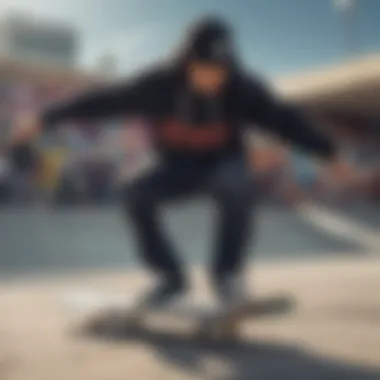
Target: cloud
{"x":344,"y":5}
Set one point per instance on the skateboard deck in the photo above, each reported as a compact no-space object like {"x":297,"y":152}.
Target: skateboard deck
{"x":101,"y":312}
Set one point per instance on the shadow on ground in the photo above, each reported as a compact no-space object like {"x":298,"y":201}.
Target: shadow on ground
{"x":239,"y":360}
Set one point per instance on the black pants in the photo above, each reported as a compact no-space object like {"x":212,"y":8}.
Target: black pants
{"x":229,"y":183}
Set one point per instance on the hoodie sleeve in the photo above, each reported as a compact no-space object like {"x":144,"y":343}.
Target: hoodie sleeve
{"x":126,"y":99}
{"x":285,"y":121}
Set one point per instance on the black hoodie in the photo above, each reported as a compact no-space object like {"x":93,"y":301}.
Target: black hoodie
{"x":188,"y":127}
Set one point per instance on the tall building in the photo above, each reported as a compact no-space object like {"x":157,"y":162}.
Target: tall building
{"x":27,"y":39}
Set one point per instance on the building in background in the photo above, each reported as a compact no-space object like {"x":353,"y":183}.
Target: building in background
{"x":26,"y":86}
{"x":28,"y":39}
{"x":344,"y":99}
{"x":37,"y":64}
{"x":343,"y":96}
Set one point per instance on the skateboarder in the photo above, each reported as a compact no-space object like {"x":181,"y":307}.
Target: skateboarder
{"x":198,"y":105}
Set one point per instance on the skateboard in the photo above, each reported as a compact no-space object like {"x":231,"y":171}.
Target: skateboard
{"x":119,"y":315}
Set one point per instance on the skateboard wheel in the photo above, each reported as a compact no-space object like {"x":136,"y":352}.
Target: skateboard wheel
{"x":228,"y":330}
{"x":228,"y":334}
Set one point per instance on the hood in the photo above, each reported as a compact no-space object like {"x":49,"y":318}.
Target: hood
{"x":210,"y":40}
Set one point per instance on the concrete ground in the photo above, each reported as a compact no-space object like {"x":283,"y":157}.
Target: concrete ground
{"x":334,"y":334}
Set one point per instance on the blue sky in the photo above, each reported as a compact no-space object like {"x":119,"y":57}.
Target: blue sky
{"x":278,"y":37}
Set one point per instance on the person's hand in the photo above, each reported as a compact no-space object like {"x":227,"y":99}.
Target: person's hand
{"x":342,"y":172}
{"x":264,"y":161}
{"x":25,"y":128}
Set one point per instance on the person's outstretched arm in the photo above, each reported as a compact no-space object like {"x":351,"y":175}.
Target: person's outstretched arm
{"x":290,"y":124}
{"x":134,"y":97}
{"x":125,"y":99}
{"x":285,"y":121}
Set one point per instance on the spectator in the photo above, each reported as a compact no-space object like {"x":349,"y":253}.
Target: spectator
{"x":25,"y":164}
{"x":5,"y":171}
{"x":70,"y":189}
{"x":99,"y":181}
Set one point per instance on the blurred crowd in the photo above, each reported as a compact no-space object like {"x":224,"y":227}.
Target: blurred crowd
{"x":77,"y":166}
{"x":83,"y":164}
{"x":295,"y":176}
